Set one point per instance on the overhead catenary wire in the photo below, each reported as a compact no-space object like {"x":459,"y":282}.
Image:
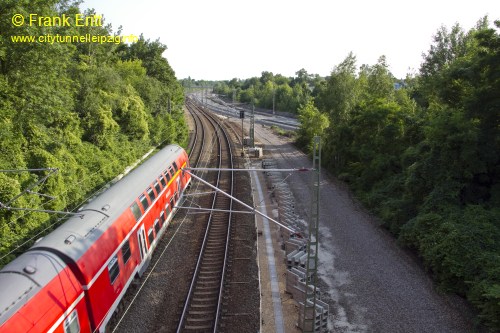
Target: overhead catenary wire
{"x":27,"y":170}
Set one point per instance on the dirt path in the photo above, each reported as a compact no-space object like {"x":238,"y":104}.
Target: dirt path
{"x":370,"y":283}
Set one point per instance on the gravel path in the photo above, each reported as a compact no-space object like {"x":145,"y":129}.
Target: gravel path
{"x":371,"y":284}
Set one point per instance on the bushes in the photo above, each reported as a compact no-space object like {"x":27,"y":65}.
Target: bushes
{"x":461,"y":247}
{"x":426,"y":157}
{"x":89,"y":114}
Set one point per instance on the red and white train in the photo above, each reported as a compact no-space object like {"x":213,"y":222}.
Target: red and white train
{"x":73,"y":279}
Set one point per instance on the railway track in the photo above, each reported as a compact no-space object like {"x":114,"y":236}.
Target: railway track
{"x":196,"y":144}
{"x":202,"y":309}
{"x":157,"y":302}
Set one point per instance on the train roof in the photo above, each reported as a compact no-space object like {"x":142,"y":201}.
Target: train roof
{"x":78,"y":234}
{"x":24,"y":277}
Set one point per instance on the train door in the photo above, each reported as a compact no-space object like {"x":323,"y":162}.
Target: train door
{"x":141,"y":238}
{"x":178,"y":189}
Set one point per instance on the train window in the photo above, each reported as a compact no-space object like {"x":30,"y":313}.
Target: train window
{"x":162,"y":217}
{"x":167,"y":209}
{"x":157,"y":188}
{"x":126,"y":251}
{"x":151,"y":194}
{"x":162,"y":181}
{"x":71,"y":324}
{"x":167,"y":175}
{"x":136,"y":210}
{"x":175,"y":167}
{"x":172,"y":203}
{"x":171,"y":170}
{"x":151,"y":236}
{"x":144,"y":202}
{"x":157,"y":227}
{"x":113,"y":269}
{"x":176,"y":196}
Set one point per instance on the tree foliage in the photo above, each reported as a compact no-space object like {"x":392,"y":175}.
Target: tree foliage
{"x":288,"y":94}
{"x":87,"y":109}
{"x":312,"y":123}
{"x":424,"y":154}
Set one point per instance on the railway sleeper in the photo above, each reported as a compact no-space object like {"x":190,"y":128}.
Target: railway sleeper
{"x":212,"y":264}
{"x":202,"y":306}
{"x":213,"y":257}
{"x":199,"y":319}
{"x":207,"y":273}
{"x":218,"y":236}
{"x":214,"y":246}
{"x":215,"y":251}
{"x":200,"y":313}
{"x":197,"y":327}
{"x":210,"y":291}
{"x":218,"y":226}
{"x":214,"y":287}
{"x":211,"y":301}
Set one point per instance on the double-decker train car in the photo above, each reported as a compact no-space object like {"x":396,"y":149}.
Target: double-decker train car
{"x":73,"y":279}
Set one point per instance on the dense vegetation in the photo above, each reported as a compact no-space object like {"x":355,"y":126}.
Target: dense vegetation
{"x":287,"y":94}
{"x":87,"y":109}
{"x":423,"y":153}
{"x":425,"y":156}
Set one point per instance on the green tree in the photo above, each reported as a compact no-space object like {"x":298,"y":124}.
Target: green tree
{"x":87,"y":109}
{"x":312,"y":123}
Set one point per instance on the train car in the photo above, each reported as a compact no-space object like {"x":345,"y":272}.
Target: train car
{"x":39,"y":293}
{"x":74,"y":278}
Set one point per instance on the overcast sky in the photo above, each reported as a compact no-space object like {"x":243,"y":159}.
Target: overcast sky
{"x":223,"y":39}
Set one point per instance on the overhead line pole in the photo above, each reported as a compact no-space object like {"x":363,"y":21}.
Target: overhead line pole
{"x":309,"y":319}
{"x":242,"y":116}
{"x":252,"y":127}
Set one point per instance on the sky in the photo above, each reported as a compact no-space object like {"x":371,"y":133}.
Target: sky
{"x":225,"y":39}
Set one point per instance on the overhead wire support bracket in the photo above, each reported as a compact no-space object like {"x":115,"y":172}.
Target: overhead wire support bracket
{"x":252,"y":209}
{"x":260,"y":170}
{"x":6,"y":207}
{"x":208,"y":210}
{"x":40,"y":194}
{"x":28,"y":170}
{"x":51,"y":171}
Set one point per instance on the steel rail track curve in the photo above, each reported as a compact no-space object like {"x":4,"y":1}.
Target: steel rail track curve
{"x":202,"y":309}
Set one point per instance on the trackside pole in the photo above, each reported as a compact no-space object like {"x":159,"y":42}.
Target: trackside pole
{"x":308,"y":324}
{"x":252,"y":127}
